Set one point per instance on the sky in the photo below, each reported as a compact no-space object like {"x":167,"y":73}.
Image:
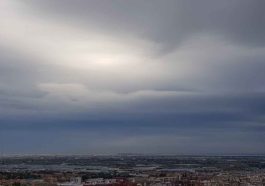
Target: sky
{"x":115,"y":76}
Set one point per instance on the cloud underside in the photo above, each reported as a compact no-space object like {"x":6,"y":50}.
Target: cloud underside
{"x":153,"y":76}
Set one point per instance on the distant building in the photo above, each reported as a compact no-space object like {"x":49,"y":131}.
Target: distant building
{"x":77,"y":181}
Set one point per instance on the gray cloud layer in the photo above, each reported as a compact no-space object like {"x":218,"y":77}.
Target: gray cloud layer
{"x":132,"y":74}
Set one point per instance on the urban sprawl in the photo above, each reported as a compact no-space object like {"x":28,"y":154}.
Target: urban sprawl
{"x":132,"y":170}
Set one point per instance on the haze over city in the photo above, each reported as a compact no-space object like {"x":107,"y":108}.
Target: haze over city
{"x":139,"y":76}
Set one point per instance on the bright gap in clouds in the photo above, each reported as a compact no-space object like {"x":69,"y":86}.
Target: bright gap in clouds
{"x":60,"y":44}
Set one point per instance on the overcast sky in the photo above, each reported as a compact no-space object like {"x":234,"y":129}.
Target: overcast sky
{"x":152,"y":76}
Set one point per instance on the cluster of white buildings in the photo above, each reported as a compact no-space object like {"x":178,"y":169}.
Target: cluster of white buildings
{"x":89,"y":182}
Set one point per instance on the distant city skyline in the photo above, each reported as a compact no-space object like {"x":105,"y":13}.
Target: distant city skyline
{"x":142,"y":76}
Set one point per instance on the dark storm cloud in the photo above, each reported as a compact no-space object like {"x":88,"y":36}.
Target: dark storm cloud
{"x":169,"y":23}
{"x":238,"y":111}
